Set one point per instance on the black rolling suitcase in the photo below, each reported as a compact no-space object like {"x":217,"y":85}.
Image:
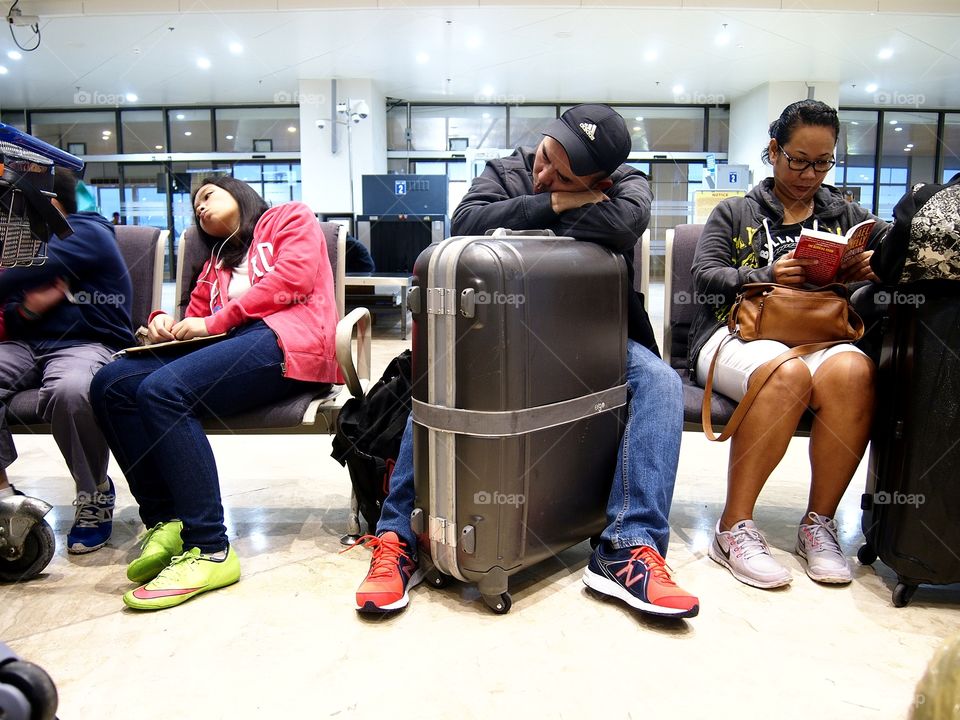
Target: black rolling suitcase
{"x":519,"y":351}
{"x":911,"y":516}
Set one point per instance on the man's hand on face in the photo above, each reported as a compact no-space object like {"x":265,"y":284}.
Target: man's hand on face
{"x":563,"y":201}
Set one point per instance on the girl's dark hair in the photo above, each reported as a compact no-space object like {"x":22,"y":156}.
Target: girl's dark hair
{"x":802,"y":112}
{"x":252,"y":206}
{"x":65,"y":186}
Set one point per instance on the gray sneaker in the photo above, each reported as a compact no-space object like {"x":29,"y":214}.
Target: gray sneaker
{"x":744,"y":552}
{"x":819,"y":546}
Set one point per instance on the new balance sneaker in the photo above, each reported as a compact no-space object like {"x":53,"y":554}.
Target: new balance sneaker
{"x":392,"y":572}
{"x":744,"y":552}
{"x":158,"y":545}
{"x":185,"y":577}
{"x":817,"y":543}
{"x":639,"y":577}
{"x":93,"y":521}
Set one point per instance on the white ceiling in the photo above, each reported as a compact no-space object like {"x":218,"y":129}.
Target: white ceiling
{"x":519,"y":53}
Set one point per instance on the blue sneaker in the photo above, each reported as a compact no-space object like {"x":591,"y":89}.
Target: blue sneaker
{"x":639,"y":577}
{"x":93,"y":521}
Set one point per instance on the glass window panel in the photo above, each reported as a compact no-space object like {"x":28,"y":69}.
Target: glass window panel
{"x":145,"y":195}
{"x":669,"y":129}
{"x":397,"y":127}
{"x":249,"y":172}
{"x":398,"y":166}
{"x":142,"y":131}
{"x":190,"y":130}
{"x":104,"y":180}
{"x":430,"y":167}
{"x":14,"y":118}
{"x":483,"y":126}
{"x":527,"y":122}
{"x":277,"y":128}
{"x":856,"y":149}
{"x":909,"y":155}
{"x":718,"y":130}
{"x":951,"y":146}
{"x":83,"y":133}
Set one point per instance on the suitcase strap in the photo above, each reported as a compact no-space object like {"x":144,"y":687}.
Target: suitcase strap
{"x":505,"y":423}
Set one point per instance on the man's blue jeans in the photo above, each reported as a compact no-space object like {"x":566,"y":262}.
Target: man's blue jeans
{"x":150,"y":406}
{"x":642,"y":491}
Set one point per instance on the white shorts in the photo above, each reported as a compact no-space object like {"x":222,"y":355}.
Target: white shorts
{"x":739,"y":359}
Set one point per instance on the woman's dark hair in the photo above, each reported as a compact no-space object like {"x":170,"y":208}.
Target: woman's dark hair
{"x":65,"y":186}
{"x":251,"y":205}
{"x":802,"y":112}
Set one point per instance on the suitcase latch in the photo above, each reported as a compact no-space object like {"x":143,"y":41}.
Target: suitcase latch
{"x":441,"y":301}
{"x":443,"y":531}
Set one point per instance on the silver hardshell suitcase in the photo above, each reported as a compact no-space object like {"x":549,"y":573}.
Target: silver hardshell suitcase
{"x":519,"y":352}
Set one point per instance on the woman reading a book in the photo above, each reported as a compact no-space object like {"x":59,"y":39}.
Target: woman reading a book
{"x":268,"y":288}
{"x":752,"y":239}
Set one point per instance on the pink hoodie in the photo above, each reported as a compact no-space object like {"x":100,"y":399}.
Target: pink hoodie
{"x":291,"y":290}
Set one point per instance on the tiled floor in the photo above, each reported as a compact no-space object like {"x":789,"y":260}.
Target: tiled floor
{"x":286,"y":642}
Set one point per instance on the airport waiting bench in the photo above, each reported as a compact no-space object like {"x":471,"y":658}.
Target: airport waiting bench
{"x":313,"y":412}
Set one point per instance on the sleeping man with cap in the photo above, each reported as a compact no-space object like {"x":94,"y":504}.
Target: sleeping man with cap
{"x":574,"y":183}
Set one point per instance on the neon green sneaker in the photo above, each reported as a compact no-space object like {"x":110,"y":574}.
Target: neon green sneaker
{"x":187,"y":575}
{"x":158,"y":545}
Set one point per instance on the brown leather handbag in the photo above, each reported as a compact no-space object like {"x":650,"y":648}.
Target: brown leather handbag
{"x":806,"y":320}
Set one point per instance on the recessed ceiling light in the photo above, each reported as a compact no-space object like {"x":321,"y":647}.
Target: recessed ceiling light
{"x":898,"y":129}
{"x":131,"y":97}
{"x":108,"y":133}
{"x":473,"y":42}
{"x":229,"y":137}
{"x":677,"y":89}
{"x":203,"y":63}
{"x":909,"y":145}
{"x":636,"y":128}
{"x":871,"y":88}
{"x":14,"y":55}
{"x":158,"y":147}
{"x":236,"y":48}
{"x":639,"y":118}
{"x":3,"y":70}
{"x":423,"y":58}
{"x":894,"y":122}
{"x":650,"y":55}
{"x":854,"y":122}
{"x":485,"y":116}
{"x":187,"y":133}
{"x":180,"y":116}
{"x":291,"y":129}
{"x":487,"y":90}
{"x":885,"y":54}
{"x":906,"y":149}
{"x":722,"y":39}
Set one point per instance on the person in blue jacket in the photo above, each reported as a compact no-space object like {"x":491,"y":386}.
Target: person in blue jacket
{"x":62,"y":321}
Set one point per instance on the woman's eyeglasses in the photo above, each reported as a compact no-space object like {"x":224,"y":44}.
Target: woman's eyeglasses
{"x":798,"y":165}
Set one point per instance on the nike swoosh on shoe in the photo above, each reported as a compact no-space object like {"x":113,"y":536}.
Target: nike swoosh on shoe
{"x":142,"y":593}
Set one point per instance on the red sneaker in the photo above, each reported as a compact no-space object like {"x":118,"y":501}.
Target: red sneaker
{"x":391,"y":574}
{"x":639,"y":577}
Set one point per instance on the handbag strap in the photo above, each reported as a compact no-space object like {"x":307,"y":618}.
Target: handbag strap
{"x":757,"y":380}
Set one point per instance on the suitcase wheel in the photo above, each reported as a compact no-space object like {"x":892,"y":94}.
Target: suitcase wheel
{"x":902,"y":594}
{"x":867,"y":555}
{"x":35,"y":685}
{"x":437,"y":579}
{"x":500,"y":604}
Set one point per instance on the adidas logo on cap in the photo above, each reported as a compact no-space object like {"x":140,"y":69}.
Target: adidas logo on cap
{"x":589,"y":129}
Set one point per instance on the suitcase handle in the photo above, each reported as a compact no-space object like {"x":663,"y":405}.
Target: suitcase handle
{"x":507,"y":232}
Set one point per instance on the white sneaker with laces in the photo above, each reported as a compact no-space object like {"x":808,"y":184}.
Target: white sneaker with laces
{"x":744,"y":552}
{"x":818,"y":545}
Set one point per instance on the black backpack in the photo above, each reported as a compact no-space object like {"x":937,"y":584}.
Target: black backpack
{"x":369,"y":430}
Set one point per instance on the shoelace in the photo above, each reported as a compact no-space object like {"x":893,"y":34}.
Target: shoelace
{"x":655,"y":564}
{"x":823,"y":533}
{"x":749,"y":542}
{"x":386,"y":555}
{"x":191,"y":556}
{"x":90,"y":508}
{"x":145,"y":537}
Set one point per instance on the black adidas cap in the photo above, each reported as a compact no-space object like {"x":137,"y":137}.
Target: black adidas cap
{"x":594,"y":136}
